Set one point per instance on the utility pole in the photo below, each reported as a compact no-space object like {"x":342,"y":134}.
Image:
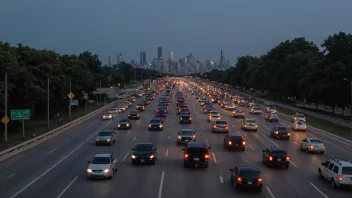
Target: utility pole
{"x":5,"y":106}
{"x":48,"y":105}
{"x":69,"y":105}
{"x":99,"y":92}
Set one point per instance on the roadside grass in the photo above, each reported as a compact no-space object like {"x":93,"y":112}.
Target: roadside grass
{"x":34,"y":128}
{"x":319,"y":123}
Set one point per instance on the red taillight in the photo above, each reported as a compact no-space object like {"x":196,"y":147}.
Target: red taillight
{"x":190,"y":118}
{"x":206,"y":156}
{"x":230,"y":143}
{"x":287,"y":158}
{"x":243,"y":143}
{"x":138,"y":115}
{"x":270,"y":158}
{"x":129,"y":114}
{"x":340,"y":177}
{"x":239,"y":180}
{"x":186,"y":155}
{"x":157,"y":114}
{"x":227,"y":127}
{"x":260,"y":180}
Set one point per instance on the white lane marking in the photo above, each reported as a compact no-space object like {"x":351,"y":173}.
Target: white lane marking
{"x":168,"y":137}
{"x":167,"y":152}
{"x":134,"y":139}
{"x":294,"y":164}
{"x":66,"y":141}
{"x":13,"y":174}
{"x":199,"y":121}
{"x":124,"y":158}
{"x":269,"y":139}
{"x":67,"y":187}
{"x":206,"y":141}
{"x":171,"y":125}
{"x":262,"y":124}
{"x":251,"y":146}
{"x":98,"y":131}
{"x":337,"y":147}
{"x":161,"y":185}
{"x":52,"y":151}
{"x":170,"y":129}
{"x":295,"y":142}
{"x":233,"y":125}
{"x":221,"y":180}
{"x":201,"y":127}
{"x":271,"y":194}
{"x":214,"y":157}
{"x":316,"y":188}
{"x":40,"y":176}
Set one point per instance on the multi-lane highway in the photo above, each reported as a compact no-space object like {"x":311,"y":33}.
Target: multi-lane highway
{"x":57,"y":168}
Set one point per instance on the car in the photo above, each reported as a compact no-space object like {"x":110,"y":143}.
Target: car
{"x":255,"y":110}
{"x":213,"y":117}
{"x":312,"y":145}
{"x":121,"y":108}
{"x":230,"y":106}
{"x":299,"y":126}
{"x":337,"y":171}
{"x":234,"y":142}
{"x":207,"y":109}
{"x":134,"y":114}
{"x":102,"y":166}
{"x":249,"y":124}
{"x":220,"y":126}
{"x":246,"y":177}
{"x":270,"y":109}
{"x":181,"y":107}
{"x":161,"y":113}
{"x":107,"y":116}
{"x":185,"y":118}
{"x":155,"y":124}
{"x":185,"y":136}
{"x":272,"y":117}
{"x":238,"y":113}
{"x":196,"y":154}
{"x":124,"y":124}
{"x":280,"y":132}
{"x":298,"y":117}
{"x":159,"y":118}
{"x":214,"y":100}
{"x":184,"y":110}
{"x":144,"y":152}
{"x":274,"y":156}
{"x":105,"y":136}
{"x":180,"y":101}
{"x":133,"y":99}
{"x":140,"y":107}
{"x":160,"y":105}
{"x":113,"y":110}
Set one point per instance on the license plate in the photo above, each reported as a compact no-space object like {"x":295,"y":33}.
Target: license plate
{"x":142,"y":160}
{"x":186,"y":140}
{"x":249,"y":182}
{"x":279,"y":160}
{"x":236,"y":144}
{"x":196,"y":159}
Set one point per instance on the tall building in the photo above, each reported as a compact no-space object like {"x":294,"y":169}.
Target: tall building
{"x":143,"y":58}
{"x":110,"y":61}
{"x":221,"y":59}
{"x":160,"y":52}
{"x":118,"y":58}
{"x":171,"y":56}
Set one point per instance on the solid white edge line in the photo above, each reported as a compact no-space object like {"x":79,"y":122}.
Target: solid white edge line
{"x":316,"y":188}
{"x":167,"y":152}
{"x":221,"y":180}
{"x":13,"y":174}
{"x":68,"y":186}
{"x":269,"y":139}
{"x":161,"y":185}
{"x":52,"y":151}
{"x":98,"y":131}
{"x":251,"y":146}
{"x":271,"y":194}
{"x":40,"y":176}
{"x":294,"y":164}
{"x":134,"y":139}
{"x":214,"y":157}
{"x":124,"y":158}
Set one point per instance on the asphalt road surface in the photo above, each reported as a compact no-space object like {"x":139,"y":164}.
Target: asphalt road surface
{"x":57,"y":168}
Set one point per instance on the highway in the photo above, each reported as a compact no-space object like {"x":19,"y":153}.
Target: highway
{"x":57,"y":168}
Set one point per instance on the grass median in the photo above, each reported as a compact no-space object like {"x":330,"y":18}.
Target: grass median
{"x":319,"y":123}
{"x":34,"y":128}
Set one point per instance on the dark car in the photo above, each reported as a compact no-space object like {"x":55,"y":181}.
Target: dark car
{"x":185,"y":118}
{"x":140,"y":107}
{"x":207,"y":109}
{"x":181,"y":107}
{"x":164,"y":103}
{"x":155,"y":124}
{"x":134,"y":114}
{"x":280,"y":132}
{"x":272,"y":117}
{"x":161,"y":113}
{"x":184,"y":110}
{"x":196,"y":154}
{"x":124,"y":124}
{"x":274,"y":156}
{"x":159,"y":118}
{"x":246,"y":177}
{"x":180,"y":101}
{"x":144,"y":152}
{"x":185,"y":136}
{"x":238,"y":113}
{"x":234,"y":142}
{"x":161,"y":108}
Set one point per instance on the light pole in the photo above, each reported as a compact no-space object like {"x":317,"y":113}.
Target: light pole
{"x":69,"y":105}
{"x":5,"y":106}
{"x":351,"y":100}
{"x":48,"y":105}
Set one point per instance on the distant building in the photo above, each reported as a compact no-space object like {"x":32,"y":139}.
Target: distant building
{"x":160,"y":52}
{"x":143,"y":58}
{"x":221,"y":59}
{"x":119,"y":58}
{"x":110,"y":61}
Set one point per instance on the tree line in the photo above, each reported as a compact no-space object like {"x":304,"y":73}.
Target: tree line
{"x":297,"y":70}
{"x":28,"y":70}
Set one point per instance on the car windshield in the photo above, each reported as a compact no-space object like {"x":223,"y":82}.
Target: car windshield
{"x":214,"y":113}
{"x":186,"y":132}
{"x":140,"y":105}
{"x":347,"y":170}
{"x":278,"y":152}
{"x":161,"y":111}
{"x":300,"y":123}
{"x":273,"y":115}
{"x":155,"y":121}
{"x":300,"y":116}
{"x":123,"y":120}
{"x":249,"y":174}
{"x":251,"y":121}
{"x":143,"y":147}
{"x":315,"y":141}
{"x":256,"y":108}
{"x":221,"y":122}
{"x":215,"y":116}
{"x":107,"y":114}
{"x":236,"y":138}
{"x":239,"y":111}
{"x":105,"y":133}
{"x":134,"y":112}
{"x":101,"y":160}
{"x":283,"y":129}
{"x":185,"y":114}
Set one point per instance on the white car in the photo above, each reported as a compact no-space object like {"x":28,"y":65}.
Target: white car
{"x":299,"y":126}
{"x":312,"y":145}
{"x":102,"y":166}
{"x":230,"y":107}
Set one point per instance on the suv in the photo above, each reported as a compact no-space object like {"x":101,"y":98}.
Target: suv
{"x":220,"y":126}
{"x":247,"y":177}
{"x":144,"y":152}
{"x":337,"y":171}
{"x":196,"y":154}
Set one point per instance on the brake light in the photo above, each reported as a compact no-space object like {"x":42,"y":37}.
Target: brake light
{"x":138,"y":115}
{"x":239,"y":180}
{"x":194,"y":136}
{"x":230,"y":142}
{"x":206,"y":156}
{"x":270,"y":158}
{"x":340,"y":177}
{"x":289,"y":134}
{"x":129,"y":114}
{"x":190,"y":118}
{"x":260,"y":180}
{"x":243,"y":143}
{"x":186,"y":155}
{"x":288,"y":158}
{"x":227,"y":127}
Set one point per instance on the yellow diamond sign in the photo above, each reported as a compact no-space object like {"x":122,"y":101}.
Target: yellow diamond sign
{"x":71,"y":95}
{"x":5,"y":119}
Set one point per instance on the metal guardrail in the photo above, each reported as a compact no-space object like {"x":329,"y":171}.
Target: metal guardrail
{"x":50,"y":134}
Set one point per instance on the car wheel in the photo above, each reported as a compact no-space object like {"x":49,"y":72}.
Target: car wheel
{"x":307,"y":151}
{"x":333,"y":183}
{"x":320,"y":176}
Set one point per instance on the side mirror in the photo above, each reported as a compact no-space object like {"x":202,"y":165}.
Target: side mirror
{"x":132,"y":149}
{"x":88,"y":162}
{"x":231,"y":169}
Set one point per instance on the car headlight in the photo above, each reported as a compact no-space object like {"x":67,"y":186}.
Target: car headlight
{"x":161,"y":125}
{"x":152,"y":156}
{"x":89,"y":170}
{"x":118,"y":125}
{"x":179,"y":137}
{"x":150,"y":125}
{"x":97,"y":140}
{"x":133,"y":157}
{"x":106,"y":170}
{"x":127,"y":124}
{"x":108,"y":140}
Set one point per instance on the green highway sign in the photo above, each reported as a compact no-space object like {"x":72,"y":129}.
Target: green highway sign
{"x":20,"y":114}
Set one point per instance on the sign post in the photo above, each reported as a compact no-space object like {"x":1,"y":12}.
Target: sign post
{"x":70,"y":95}
{"x":86,"y":98}
{"x":21,"y":114}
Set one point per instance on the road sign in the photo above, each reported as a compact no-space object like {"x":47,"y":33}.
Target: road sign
{"x":74,"y":102}
{"x":5,"y":119}
{"x":85,"y":96}
{"x":118,"y":84}
{"x":71,"y":95}
{"x":20,"y":114}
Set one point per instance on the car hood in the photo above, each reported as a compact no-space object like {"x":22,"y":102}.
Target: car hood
{"x":186,"y":136}
{"x":99,"y":166}
{"x":123,"y":123}
{"x":143,"y":153}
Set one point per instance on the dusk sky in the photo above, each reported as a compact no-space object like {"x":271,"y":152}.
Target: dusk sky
{"x":203,"y":27}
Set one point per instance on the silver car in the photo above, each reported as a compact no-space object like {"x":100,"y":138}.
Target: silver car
{"x":102,"y":166}
{"x":312,"y":145}
{"x":220,"y":126}
{"x":106,"y":136}
{"x":299,"y":126}
{"x":249,"y":124}
{"x":107,"y":116}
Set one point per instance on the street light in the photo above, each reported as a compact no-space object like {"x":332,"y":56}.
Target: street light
{"x":6,"y":74}
{"x":345,"y":79}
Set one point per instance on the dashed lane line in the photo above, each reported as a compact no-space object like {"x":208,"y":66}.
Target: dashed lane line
{"x":269,"y":191}
{"x":316,"y":188}
{"x":214,"y":157}
{"x":161,"y":185}
{"x":269,"y":139}
{"x":221,"y":180}
{"x":13,"y":174}
{"x":52,"y":151}
{"x":67,"y":187}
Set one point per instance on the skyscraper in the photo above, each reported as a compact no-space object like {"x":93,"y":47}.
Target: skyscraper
{"x":160,"y":52}
{"x":171,"y":56}
{"x":110,"y":61}
{"x":143,"y":58}
{"x":118,"y":58}
{"x":221,"y":59}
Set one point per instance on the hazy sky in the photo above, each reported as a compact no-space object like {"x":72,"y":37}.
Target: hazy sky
{"x":203,"y":27}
